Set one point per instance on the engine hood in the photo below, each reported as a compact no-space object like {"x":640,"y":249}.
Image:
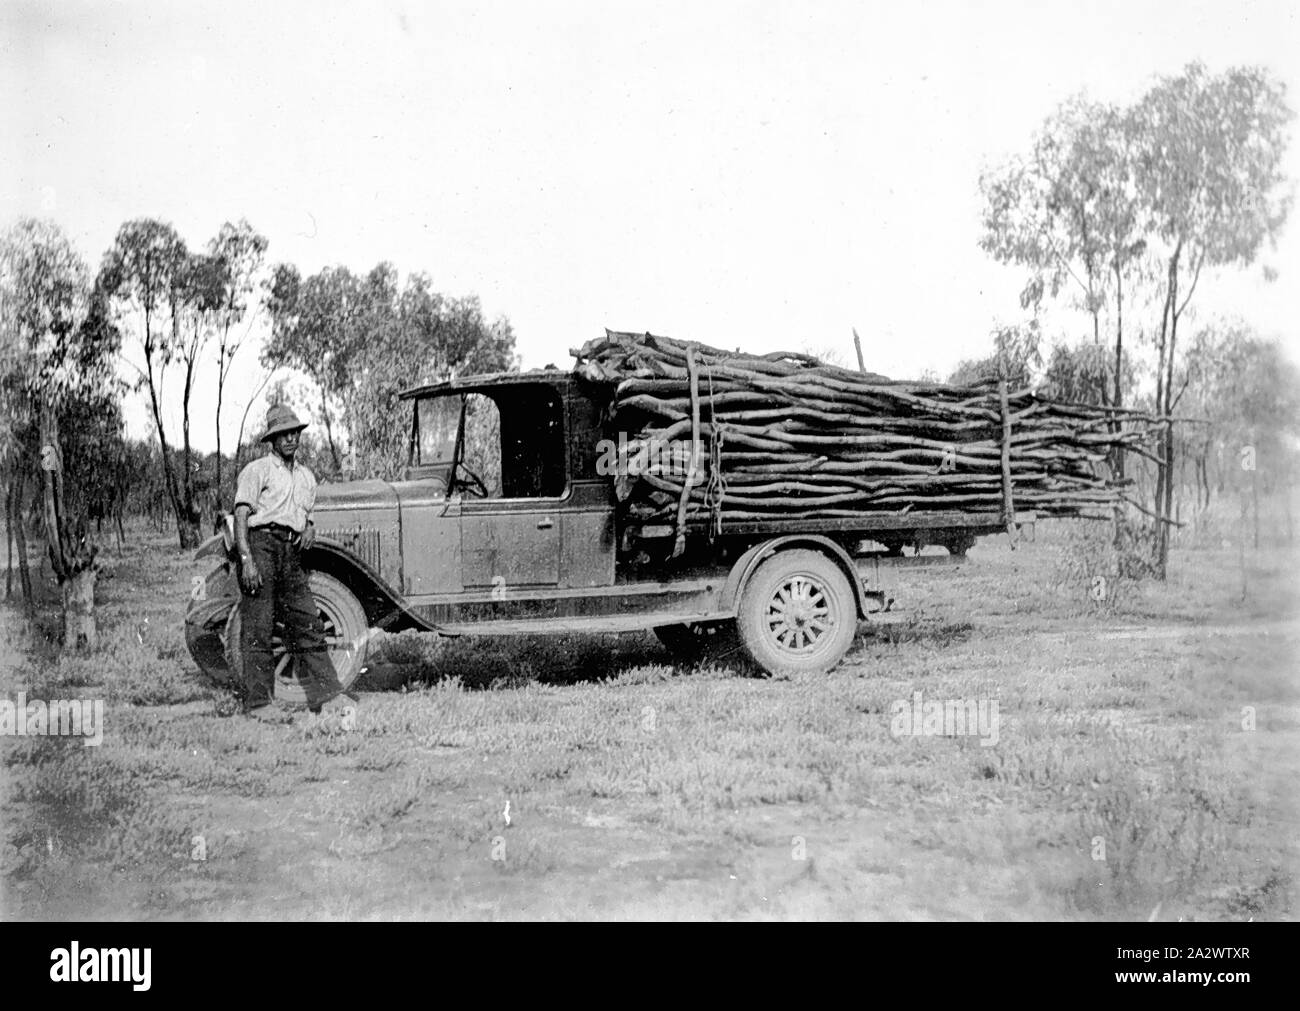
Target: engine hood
{"x":348,"y":496}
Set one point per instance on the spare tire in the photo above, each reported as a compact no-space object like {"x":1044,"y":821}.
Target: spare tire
{"x":205,"y":623}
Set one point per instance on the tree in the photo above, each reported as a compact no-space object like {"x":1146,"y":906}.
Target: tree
{"x":362,"y":340}
{"x":1070,"y":213}
{"x":1187,"y":178}
{"x":241,"y":251}
{"x":197,"y":294}
{"x":1246,"y":394}
{"x":1081,"y":374}
{"x":428,"y":338}
{"x":95,"y":449}
{"x":1210,"y":178}
{"x":1016,"y":357}
{"x":61,"y":345}
{"x":141,"y":272}
{"x":314,"y":328}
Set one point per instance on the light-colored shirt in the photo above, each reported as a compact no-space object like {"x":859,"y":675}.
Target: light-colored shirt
{"x":277,"y":493}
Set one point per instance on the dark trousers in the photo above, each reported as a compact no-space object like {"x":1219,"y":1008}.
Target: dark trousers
{"x":285,"y":597}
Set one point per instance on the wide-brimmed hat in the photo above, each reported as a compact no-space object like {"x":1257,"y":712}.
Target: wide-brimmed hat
{"x":280,"y":419}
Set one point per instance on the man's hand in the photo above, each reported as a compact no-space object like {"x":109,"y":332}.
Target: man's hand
{"x":249,"y":578}
{"x":308,"y":536}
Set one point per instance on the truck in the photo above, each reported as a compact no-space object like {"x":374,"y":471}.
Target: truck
{"x":520,"y":531}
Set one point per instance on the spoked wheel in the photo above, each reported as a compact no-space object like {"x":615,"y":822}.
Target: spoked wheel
{"x":346,"y":638}
{"x":699,"y":639}
{"x":797,"y":613}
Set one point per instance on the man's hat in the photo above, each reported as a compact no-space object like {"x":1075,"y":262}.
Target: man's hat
{"x":279,"y":419}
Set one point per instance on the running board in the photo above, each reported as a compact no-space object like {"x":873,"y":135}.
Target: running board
{"x":586,"y":625}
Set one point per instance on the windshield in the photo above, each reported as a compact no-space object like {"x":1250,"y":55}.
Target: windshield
{"x":437,"y":423}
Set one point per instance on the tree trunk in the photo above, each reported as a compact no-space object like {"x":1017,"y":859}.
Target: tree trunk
{"x":71,"y":554}
{"x":329,"y":433}
{"x":1118,"y":399}
{"x":1164,"y":382}
{"x":9,"y":539}
{"x":1170,"y":449}
{"x":20,"y":536}
{"x":193,"y":511}
{"x":79,"y":630}
{"x":189,"y":536}
{"x":187,"y":452}
{"x":221,"y":386}
{"x":52,"y":493}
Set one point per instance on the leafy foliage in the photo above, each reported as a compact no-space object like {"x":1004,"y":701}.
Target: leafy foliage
{"x":57,"y":352}
{"x":145,"y":273}
{"x":362,"y":340}
{"x":1016,"y":357}
{"x":1069,"y":211}
{"x":1147,"y":197}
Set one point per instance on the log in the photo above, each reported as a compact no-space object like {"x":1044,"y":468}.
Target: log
{"x":791,"y":436}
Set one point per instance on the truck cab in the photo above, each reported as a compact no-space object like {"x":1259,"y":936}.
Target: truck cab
{"x":501,"y":494}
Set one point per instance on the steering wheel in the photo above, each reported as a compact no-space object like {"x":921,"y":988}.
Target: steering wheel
{"x":475,"y":483}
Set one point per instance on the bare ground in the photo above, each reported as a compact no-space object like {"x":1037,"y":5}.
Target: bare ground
{"x":1145,"y":762}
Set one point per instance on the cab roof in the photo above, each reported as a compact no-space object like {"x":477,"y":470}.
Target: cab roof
{"x":468,"y":384}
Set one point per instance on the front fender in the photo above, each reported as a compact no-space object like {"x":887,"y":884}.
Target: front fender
{"x":383,"y":604}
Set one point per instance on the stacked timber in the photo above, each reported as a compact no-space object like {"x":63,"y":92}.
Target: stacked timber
{"x":711,"y":435}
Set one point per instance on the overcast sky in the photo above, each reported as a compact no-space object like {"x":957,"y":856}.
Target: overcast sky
{"x":759,"y":174}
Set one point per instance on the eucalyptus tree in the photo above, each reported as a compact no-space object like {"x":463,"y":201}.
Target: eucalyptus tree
{"x":1147,"y":197}
{"x":1069,"y":212}
{"x":362,"y":339}
{"x":1211,"y":182}
{"x":141,"y":272}
{"x":196,"y":298}
{"x":242,"y":252}
{"x":59,"y":345}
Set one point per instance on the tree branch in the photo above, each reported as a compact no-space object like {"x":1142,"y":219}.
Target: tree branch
{"x":1196,"y":276}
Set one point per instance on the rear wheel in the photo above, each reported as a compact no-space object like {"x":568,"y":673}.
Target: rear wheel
{"x":797,"y":613}
{"x":346,"y":638}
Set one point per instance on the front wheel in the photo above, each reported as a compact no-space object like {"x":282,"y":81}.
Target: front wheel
{"x":797,"y":613}
{"x":346,"y":638}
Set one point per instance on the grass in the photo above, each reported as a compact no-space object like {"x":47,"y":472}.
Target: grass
{"x":1124,"y":777}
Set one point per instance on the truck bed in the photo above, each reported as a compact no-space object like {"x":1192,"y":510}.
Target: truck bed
{"x":934,"y":526}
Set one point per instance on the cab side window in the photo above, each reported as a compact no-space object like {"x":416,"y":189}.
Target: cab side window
{"x":515,"y":442}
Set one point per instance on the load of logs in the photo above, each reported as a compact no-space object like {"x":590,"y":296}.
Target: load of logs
{"x":712,"y":435}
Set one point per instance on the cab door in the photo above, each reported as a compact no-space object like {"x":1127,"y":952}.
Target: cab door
{"x":510,"y":543}
{"x":431,"y":559}
{"x":514,"y":448}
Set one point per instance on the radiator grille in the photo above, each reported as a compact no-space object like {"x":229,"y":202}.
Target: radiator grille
{"x":361,"y":541}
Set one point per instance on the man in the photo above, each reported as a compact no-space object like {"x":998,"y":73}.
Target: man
{"x":273,"y":504}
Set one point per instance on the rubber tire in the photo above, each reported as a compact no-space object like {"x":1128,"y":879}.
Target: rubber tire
{"x":206,"y":639}
{"x":761,"y":589}
{"x":698,"y":640}
{"x":340,"y":606}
